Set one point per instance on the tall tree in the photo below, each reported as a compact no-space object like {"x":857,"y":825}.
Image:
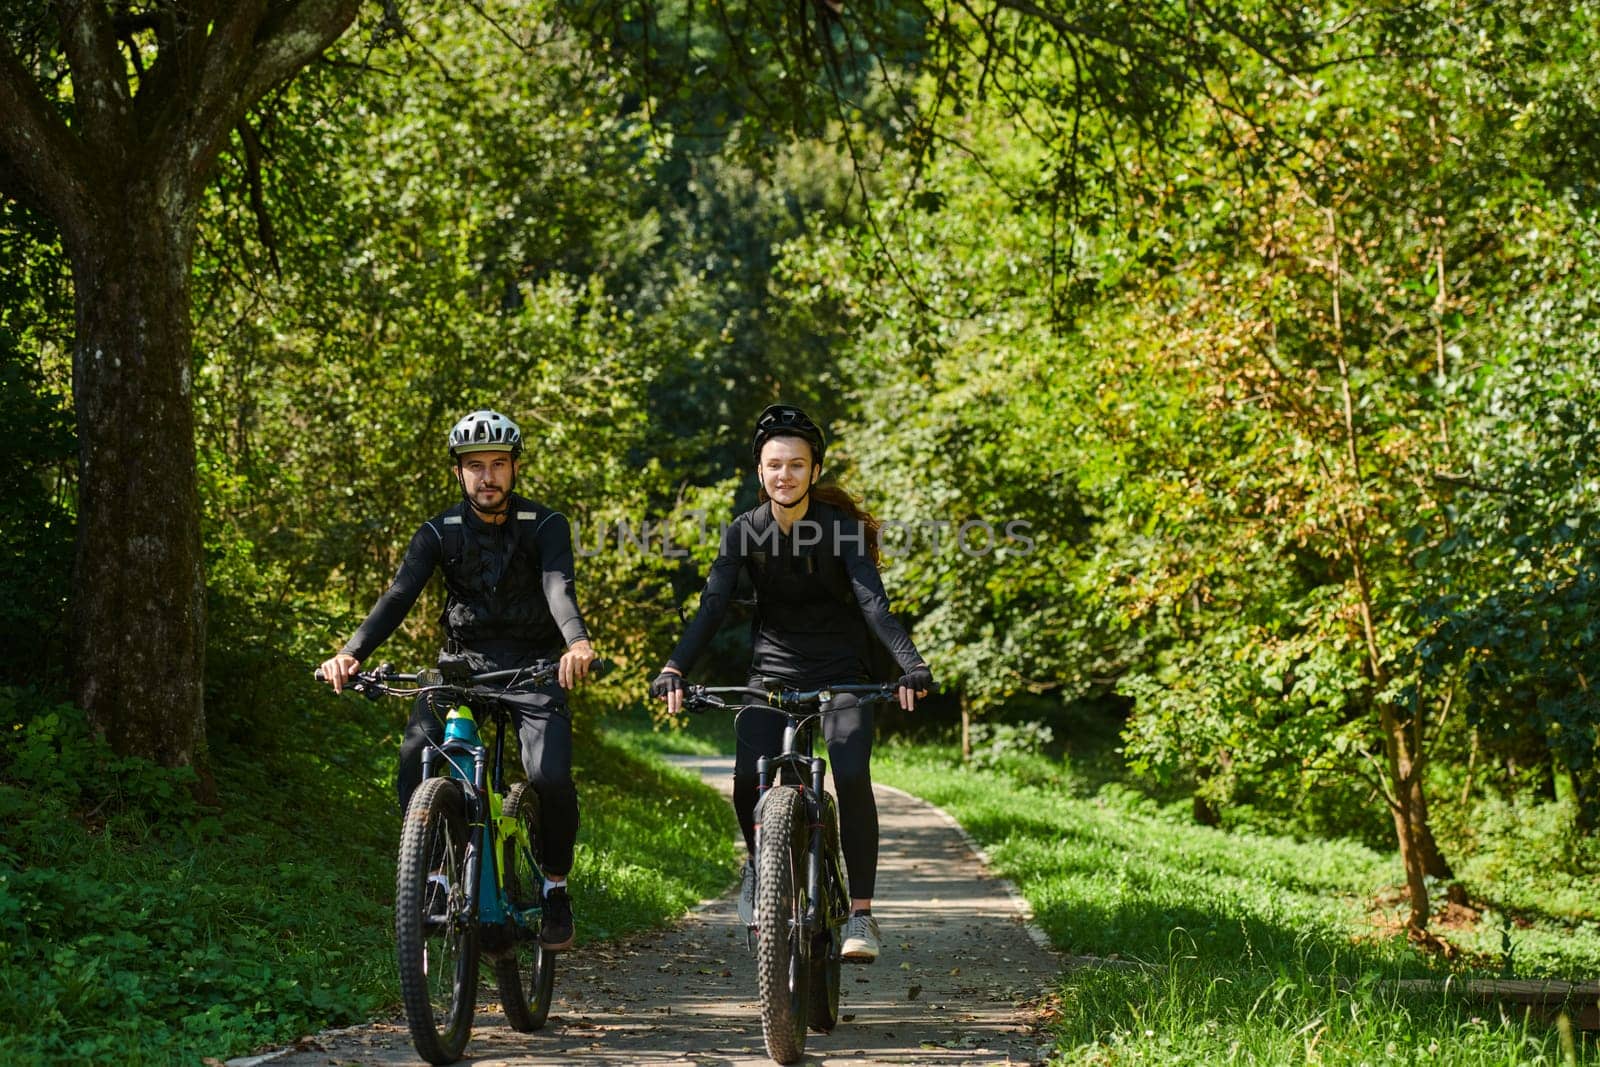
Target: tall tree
{"x":114,"y":116}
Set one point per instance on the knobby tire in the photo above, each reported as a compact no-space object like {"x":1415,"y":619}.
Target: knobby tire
{"x":436,"y":939}
{"x":783,"y":972}
{"x":525,"y":973}
{"x":825,"y":945}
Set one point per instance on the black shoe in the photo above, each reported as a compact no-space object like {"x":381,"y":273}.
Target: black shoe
{"x":555,"y":921}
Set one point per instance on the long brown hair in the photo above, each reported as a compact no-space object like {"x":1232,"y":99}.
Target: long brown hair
{"x":847,"y":502}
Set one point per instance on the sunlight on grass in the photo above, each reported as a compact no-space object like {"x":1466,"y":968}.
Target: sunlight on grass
{"x":1233,"y":948}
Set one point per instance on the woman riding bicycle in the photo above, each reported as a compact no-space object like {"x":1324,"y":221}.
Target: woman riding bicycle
{"x":811,"y":552}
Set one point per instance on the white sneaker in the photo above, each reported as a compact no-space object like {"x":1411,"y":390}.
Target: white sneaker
{"x":747,"y":894}
{"x":860,"y":939}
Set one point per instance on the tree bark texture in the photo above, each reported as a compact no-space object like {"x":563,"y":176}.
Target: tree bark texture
{"x":119,"y":165}
{"x":139,"y":605}
{"x":1403,"y":779}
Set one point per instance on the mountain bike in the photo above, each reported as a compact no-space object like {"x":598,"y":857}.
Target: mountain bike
{"x":468,"y":880}
{"x":802,"y":904}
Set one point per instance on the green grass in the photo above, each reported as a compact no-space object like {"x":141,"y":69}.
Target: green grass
{"x":1234,"y":947}
{"x":139,"y":928}
{"x":708,"y":733}
{"x":1248,"y":948}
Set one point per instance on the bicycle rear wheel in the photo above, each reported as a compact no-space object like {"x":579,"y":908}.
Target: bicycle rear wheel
{"x":436,"y":935}
{"x":825,"y":945}
{"x":525,"y":973}
{"x":783,"y":951}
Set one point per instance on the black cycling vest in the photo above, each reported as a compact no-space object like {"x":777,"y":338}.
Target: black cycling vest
{"x":493,"y":578}
{"x":820,"y":604}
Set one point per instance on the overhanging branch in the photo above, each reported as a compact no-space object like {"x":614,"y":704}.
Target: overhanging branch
{"x":259,"y":46}
{"x":291,"y":36}
{"x":40,"y":159}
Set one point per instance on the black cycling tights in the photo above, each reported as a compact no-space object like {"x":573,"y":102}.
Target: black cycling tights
{"x":848,"y":732}
{"x":544,"y":728}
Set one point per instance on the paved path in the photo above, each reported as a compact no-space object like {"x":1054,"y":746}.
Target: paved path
{"x":952,"y":986}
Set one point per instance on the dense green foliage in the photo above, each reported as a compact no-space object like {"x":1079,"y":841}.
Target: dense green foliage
{"x":1225,"y":377}
{"x":1296,"y":397}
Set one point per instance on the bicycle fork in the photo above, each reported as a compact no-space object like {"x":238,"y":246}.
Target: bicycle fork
{"x":816,"y":843}
{"x":479,"y":877}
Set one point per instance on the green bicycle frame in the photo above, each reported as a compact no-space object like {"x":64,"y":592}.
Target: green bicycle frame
{"x":468,"y":763}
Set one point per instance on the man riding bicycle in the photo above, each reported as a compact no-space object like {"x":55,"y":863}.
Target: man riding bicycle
{"x":811,"y":552}
{"x":510,"y":602}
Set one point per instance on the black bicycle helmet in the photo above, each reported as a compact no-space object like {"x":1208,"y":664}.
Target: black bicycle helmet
{"x":786,"y":420}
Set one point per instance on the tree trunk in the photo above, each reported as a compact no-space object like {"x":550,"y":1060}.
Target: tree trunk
{"x":1433,"y":862}
{"x":1402,"y":780}
{"x":966,"y":728}
{"x":139,"y":611}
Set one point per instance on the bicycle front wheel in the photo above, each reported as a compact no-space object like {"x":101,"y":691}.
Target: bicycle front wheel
{"x":436,"y":934}
{"x":783,"y":951}
{"x":525,"y":973}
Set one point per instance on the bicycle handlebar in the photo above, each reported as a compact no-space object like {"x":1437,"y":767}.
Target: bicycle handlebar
{"x":706,"y":696}
{"x":383,"y":680}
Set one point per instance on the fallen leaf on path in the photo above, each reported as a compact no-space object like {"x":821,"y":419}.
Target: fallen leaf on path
{"x":914,"y":992}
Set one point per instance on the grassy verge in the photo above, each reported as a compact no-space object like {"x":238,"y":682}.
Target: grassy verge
{"x":1252,"y":949}
{"x":138,"y":928}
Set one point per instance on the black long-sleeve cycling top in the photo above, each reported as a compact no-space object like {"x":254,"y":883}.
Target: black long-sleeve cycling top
{"x":509,"y":585}
{"x":817,"y":590}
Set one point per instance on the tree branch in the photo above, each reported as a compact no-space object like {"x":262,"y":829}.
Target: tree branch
{"x":41,"y":162}
{"x":258,"y":202}
{"x":1467,"y":481}
{"x":99,"y":77}
{"x":258,"y":45}
{"x":291,"y":36}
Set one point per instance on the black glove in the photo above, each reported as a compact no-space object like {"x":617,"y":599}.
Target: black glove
{"x":918,"y":680}
{"x":666,"y":682}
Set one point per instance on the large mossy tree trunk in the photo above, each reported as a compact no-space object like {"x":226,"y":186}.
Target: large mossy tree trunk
{"x":116,"y":154}
{"x":139,"y":590}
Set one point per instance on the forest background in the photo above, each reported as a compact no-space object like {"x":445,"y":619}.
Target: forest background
{"x":1273,"y":327}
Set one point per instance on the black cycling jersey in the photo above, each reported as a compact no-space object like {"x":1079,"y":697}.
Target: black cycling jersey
{"x":817,"y":590}
{"x":509,"y":585}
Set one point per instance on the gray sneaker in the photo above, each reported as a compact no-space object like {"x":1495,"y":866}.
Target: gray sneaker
{"x":747,"y":894}
{"x":860,"y":939}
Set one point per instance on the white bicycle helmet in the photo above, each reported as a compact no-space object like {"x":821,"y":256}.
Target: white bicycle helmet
{"x":485,"y":431}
